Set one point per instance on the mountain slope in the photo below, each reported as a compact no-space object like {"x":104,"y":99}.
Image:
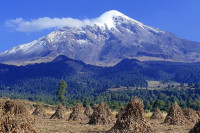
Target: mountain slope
{"x":109,"y":39}
{"x":82,"y":78}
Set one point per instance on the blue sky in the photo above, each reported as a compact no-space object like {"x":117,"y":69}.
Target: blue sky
{"x":181,"y":17}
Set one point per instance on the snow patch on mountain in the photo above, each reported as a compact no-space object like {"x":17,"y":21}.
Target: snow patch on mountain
{"x":81,"y":41}
{"x":108,"y":19}
{"x":114,"y":17}
{"x":34,"y":46}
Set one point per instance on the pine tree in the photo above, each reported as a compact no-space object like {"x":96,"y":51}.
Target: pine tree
{"x":61,"y":92}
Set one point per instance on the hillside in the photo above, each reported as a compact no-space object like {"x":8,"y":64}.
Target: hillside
{"x":83,"y":78}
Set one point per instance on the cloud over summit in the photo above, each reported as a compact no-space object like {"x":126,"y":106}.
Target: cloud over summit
{"x":35,"y":25}
{"x":39,"y":24}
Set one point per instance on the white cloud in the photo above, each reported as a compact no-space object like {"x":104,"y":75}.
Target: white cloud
{"x":39,"y":24}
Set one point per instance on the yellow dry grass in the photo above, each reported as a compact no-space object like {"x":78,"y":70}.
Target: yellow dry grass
{"x":114,"y":113}
{"x":46,"y":125}
{"x":149,"y":114}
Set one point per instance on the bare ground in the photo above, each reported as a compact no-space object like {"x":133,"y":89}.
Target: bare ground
{"x":46,"y":125}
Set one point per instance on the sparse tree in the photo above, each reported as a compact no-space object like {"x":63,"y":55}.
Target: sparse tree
{"x":62,"y":91}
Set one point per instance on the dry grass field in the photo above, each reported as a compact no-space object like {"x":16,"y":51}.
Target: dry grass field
{"x":47,"y":125}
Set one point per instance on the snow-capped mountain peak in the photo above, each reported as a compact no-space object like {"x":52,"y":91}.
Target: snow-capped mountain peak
{"x":108,"y":18}
{"x":105,"y":40}
{"x":114,"y":17}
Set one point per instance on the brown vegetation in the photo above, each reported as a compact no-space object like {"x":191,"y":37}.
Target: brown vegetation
{"x":157,"y":114}
{"x":198,"y":113}
{"x":78,"y":113}
{"x":18,"y":123}
{"x":15,"y":118}
{"x":191,"y":115}
{"x":131,"y":120}
{"x":60,"y":113}
{"x":102,"y":115}
{"x":88,"y":111}
{"x":196,"y":128}
{"x":175,"y":116}
{"x":121,"y":112}
{"x":39,"y":111}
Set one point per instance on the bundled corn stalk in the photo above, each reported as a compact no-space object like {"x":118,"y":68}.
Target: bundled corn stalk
{"x":157,"y":114}
{"x":191,"y":115}
{"x":78,"y":113}
{"x":131,"y":119}
{"x":39,"y":111}
{"x":88,"y":111}
{"x":15,"y":118}
{"x":60,"y":112}
{"x":196,"y":128}
{"x":102,"y":115}
{"x":175,"y":116}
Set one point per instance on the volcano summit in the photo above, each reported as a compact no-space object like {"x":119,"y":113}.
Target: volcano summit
{"x":105,"y":41}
